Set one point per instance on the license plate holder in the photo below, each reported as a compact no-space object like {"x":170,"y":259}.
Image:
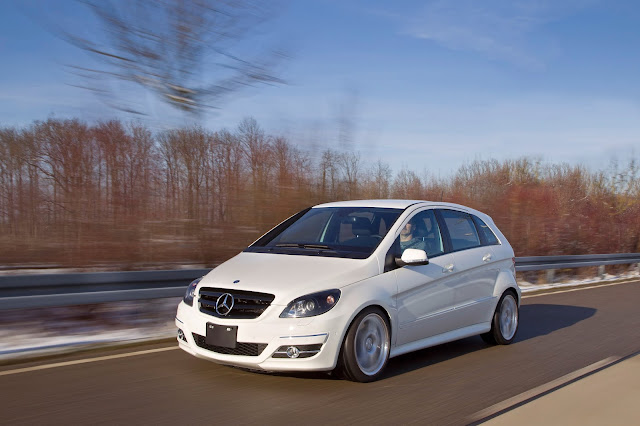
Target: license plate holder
{"x":222,"y":335}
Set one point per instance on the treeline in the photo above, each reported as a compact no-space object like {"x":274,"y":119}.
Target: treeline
{"x":80,"y":194}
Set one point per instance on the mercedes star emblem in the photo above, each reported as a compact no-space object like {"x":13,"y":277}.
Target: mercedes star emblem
{"x":224,"y":304}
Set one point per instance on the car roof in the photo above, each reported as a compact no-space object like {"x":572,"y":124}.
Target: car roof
{"x":392,"y":204}
{"x":404,"y":204}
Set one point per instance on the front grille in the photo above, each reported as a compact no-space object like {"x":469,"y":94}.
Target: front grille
{"x":243,"y":349}
{"x":246,"y":304}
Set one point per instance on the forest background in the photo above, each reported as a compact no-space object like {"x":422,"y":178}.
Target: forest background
{"x":116,"y":194}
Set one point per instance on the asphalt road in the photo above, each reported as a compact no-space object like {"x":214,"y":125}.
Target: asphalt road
{"x":559,"y":333}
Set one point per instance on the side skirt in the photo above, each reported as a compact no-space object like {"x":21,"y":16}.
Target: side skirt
{"x":450,"y":336}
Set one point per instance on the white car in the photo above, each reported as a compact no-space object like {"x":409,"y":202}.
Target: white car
{"x":348,"y":285}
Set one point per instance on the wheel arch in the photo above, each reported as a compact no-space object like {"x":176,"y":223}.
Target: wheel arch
{"x":506,"y":281}
{"x":358,"y":311}
{"x":376,"y":305}
{"x":345,"y":359}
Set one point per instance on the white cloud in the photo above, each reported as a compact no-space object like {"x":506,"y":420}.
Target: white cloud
{"x":500,"y":29}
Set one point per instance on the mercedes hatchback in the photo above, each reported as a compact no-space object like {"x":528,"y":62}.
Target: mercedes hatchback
{"x":346,"y":286}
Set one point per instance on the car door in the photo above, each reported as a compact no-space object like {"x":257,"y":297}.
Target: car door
{"x":476,"y":271}
{"x":425,"y":292}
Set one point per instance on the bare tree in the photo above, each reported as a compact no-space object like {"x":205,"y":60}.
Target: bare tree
{"x":184,"y":153}
{"x":259,"y":157}
{"x":407,"y":184}
{"x":329,"y":175}
{"x":187,"y":52}
{"x":350,"y":163}
{"x":228,"y":163}
{"x":67,"y":157}
{"x":378,"y":183}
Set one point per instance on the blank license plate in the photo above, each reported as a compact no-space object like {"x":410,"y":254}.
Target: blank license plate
{"x":222,"y":335}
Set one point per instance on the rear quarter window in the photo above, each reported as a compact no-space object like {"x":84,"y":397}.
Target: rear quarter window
{"x":486,"y":234}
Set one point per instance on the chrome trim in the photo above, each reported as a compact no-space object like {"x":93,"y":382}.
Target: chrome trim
{"x":308,"y":335}
{"x":475,"y":302}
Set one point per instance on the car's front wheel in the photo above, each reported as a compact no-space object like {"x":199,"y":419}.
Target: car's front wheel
{"x":366,"y":346}
{"x":504,"y":324}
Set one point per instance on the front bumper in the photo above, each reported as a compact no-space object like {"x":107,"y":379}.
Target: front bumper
{"x":267,"y":333}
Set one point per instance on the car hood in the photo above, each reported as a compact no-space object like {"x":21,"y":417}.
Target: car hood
{"x":288,"y":276}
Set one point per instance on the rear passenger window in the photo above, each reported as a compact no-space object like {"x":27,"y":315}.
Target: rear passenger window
{"x":462,"y":231}
{"x":486,"y":234}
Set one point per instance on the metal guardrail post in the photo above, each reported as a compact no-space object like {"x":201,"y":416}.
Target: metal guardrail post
{"x":550,"y":275}
{"x":601,"y":271}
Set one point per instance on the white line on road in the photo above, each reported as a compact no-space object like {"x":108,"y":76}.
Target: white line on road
{"x":540,"y":390}
{"x":84,"y":361}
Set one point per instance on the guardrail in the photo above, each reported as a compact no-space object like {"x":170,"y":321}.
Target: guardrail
{"x":45,"y":290}
{"x":537,"y":263}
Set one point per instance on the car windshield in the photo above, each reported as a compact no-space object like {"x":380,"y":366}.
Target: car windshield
{"x":352,"y":232}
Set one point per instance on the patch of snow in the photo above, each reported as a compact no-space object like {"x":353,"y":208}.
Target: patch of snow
{"x":63,"y":329}
{"x":528,"y":287}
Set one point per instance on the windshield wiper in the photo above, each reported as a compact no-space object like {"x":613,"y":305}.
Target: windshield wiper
{"x":305,"y":246}
{"x":317,"y":246}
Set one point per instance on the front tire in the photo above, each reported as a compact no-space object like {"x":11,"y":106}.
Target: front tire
{"x":365,"y":351}
{"x":504,"y":324}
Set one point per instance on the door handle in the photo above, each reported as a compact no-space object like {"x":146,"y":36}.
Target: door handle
{"x":448,"y":268}
{"x":486,"y":257}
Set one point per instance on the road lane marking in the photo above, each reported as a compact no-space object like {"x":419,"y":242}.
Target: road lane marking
{"x":541,"y":390}
{"x":586,"y":287}
{"x":85,"y":361}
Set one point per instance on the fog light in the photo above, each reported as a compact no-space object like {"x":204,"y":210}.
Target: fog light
{"x":293,"y":352}
{"x":299,"y":351}
{"x":181,"y":335}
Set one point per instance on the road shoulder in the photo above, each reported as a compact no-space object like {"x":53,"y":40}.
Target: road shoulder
{"x":609,"y":396}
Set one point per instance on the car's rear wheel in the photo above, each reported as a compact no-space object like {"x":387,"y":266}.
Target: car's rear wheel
{"x":366,"y":346}
{"x":504,"y":324}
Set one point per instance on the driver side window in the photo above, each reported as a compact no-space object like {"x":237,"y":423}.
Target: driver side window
{"x":422,"y":232}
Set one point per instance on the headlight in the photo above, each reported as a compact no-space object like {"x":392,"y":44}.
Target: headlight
{"x":311,"y":304}
{"x":191,"y":292}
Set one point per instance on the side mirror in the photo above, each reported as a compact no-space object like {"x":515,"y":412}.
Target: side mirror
{"x":413,"y":257}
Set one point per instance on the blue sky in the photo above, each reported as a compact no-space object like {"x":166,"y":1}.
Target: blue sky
{"x":427,"y":85}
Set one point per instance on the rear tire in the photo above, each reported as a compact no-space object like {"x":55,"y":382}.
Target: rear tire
{"x":504,"y":324}
{"x":365,"y":350}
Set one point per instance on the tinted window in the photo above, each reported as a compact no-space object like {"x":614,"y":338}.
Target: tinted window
{"x":331,"y":231}
{"x":461,"y":229}
{"x":486,"y":234}
{"x":423,"y":233}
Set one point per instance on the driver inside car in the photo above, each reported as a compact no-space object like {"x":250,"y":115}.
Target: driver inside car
{"x":408,"y":239}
